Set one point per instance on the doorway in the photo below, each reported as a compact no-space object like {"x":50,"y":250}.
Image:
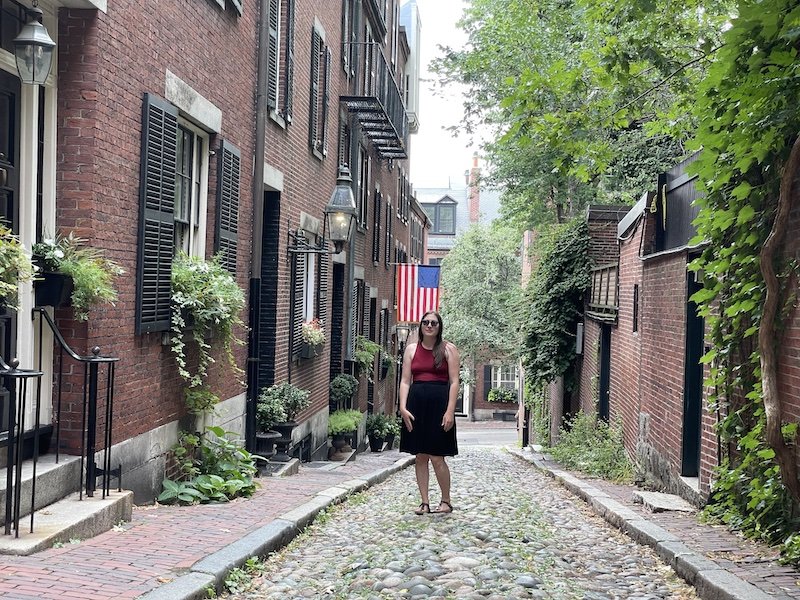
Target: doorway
{"x":692,"y":384}
{"x":604,"y":383}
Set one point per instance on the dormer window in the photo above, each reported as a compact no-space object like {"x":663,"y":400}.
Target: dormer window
{"x":443,"y":216}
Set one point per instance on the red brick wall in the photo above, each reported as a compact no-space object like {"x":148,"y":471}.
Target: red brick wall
{"x":624,"y":401}
{"x":105,"y":68}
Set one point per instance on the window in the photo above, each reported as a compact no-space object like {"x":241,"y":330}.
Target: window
{"x":505,"y":376}
{"x":173,"y":192}
{"x":348,"y":36}
{"x":387,"y":255}
{"x":635,"y":307}
{"x":280,"y":70}
{"x":320,"y":93}
{"x":191,"y":189}
{"x":309,"y":290}
{"x":443,"y":216}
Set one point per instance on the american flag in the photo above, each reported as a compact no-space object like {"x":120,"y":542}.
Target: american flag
{"x":417,"y":291}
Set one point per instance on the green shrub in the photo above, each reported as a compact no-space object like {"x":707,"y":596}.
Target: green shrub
{"x":343,"y":421}
{"x":269,"y":410}
{"x":293,"y":398}
{"x":214,"y":468}
{"x":593,"y":447}
{"x":342,"y":388}
{"x":378,"y":426}
{"x":501,"y":394}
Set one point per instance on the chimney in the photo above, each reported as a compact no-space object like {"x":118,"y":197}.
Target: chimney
{"x":474,"y":190}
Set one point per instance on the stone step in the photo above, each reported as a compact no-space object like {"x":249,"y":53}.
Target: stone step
{"x":54,"y":481}
{"x":68,"y":520}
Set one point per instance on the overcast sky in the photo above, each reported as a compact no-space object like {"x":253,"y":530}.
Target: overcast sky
{"x":436,"y":156}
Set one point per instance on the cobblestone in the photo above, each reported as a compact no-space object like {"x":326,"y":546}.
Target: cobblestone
{"x":514,"y":533}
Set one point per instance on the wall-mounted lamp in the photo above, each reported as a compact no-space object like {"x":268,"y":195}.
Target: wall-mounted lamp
{"x":33,"y":49}
{"x":340,"y":220}
{"x":340,"y":213}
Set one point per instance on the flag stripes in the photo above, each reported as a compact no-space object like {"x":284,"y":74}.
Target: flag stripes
{"x":417,"y":291}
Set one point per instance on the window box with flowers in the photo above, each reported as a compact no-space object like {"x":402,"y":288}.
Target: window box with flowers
{"x":313,"y":338}
{"x":70,"y":273}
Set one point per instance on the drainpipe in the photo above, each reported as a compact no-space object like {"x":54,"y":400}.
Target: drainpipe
{"x":258,"y":225}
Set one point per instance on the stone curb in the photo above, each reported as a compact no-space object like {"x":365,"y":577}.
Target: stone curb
{"x":711,"y":582}
{"x":211,"y":571}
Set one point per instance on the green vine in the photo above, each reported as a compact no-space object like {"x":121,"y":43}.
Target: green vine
{"x":748,"y":124}
{"x":555,"y":301}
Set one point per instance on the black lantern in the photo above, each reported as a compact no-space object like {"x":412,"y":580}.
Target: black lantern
{"x":340,"y":213}
{"x":33,"y":49}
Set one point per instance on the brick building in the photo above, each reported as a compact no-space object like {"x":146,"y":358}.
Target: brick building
{"x":153,"y":139}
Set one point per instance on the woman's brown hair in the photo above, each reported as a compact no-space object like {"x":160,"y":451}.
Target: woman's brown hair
{"x":438,"y":347}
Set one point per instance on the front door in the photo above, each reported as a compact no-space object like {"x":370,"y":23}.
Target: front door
{"x":9,"y":209}
{"x":692,"y":386}
{"x":605,"y":372}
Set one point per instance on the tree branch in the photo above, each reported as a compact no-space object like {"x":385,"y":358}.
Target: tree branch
{"x":768,"y":335}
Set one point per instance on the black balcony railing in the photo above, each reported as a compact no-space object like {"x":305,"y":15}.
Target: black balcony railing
{"x":376,"y":102}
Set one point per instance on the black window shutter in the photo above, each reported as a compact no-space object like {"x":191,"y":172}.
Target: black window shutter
{"x":387,"y":254}
{"x":487,"y":381}
{"x":356,"y":296}
{"x":376,"y":231}
{"x":156,"y":214}
{"x":289,"y":81}
{"x":322,"y":287}
{"x":313,"y":119}
{"x":365,"y":309}
{"x":272,"y":62}
{"x":298,"y":287}
{"x":326,"y":93}
{"x":227,"y":221}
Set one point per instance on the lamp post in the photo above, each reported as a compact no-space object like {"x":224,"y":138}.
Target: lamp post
{"x":340,"y":212}
{"x":33,"y":49}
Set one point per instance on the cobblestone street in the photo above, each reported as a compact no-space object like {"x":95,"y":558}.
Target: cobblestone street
{"x":515,"y":533}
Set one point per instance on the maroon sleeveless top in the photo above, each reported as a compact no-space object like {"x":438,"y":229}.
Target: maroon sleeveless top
{"x":423,"y":369}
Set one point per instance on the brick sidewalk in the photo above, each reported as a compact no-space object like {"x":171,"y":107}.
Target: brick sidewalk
{"x":753,"y":562}
{"x":163,"y":541}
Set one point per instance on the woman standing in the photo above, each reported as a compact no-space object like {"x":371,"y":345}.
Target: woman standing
{"x":428,"y":394}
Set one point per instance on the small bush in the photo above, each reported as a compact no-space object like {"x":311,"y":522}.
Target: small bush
{"x":501,"y":394}
{"x":593,"y":447}
{"x":343,"y":421}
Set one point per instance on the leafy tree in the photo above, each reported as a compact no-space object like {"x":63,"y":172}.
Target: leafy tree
{"x":577,"y":92}
{"x":481,"y":291}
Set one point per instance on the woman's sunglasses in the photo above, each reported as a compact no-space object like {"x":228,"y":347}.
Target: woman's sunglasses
{"x":428,"y":323}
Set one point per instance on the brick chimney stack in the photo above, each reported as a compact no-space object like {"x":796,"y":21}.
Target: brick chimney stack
{"x":474,"y":190}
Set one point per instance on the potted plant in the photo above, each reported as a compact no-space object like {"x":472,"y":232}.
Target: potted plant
{"x":502,"y":395}
{"x":342,"y":389}
{"x":342,"y":424}
{"x":15,"y":266}
{"x":313,"y":338}
{"x":377,"y":430}
{"x":364,"y":356}
{"x":206,"y":303}
{"x":269,"y":411}
{"x":392,"y":430}
{"x":293,"y":400}
{"x":70,"y":273}
{"x":386,"y":364}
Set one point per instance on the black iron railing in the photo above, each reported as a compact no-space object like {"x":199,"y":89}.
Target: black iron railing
{"x":376,"y":101}
{"x":89,"y":394}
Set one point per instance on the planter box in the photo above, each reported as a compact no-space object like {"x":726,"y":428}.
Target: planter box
{"x":309,"y":351}
{"x":53,"y":289}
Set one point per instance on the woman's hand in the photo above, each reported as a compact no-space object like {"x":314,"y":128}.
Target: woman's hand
{"x":448,"y":420}
{"x":407,"y":417}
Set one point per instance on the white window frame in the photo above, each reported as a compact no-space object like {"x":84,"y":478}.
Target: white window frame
{"x":195,"y":244}
{"x":310,"y":288}
{"x":505,"y":376}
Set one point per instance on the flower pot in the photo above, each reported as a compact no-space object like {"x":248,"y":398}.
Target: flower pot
{"x":376,"y":444}
{"x":310,"y":351}
{"x":284,"y":443}
{"x":265,"y":443}
{"x":53,"y":289}
{"x":338,"y":441}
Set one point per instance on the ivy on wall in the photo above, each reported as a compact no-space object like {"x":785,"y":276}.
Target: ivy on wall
{"x":748,"y":134}
{"x":554,"y":301}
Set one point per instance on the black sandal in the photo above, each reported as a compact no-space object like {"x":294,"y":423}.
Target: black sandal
{"x":448,"y":505}
{"x":424,"y":508}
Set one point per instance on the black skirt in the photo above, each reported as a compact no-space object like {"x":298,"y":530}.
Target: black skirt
{"x":427,"y":401}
